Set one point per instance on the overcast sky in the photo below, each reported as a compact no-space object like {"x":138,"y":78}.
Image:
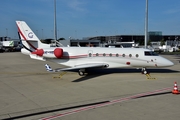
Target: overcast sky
{"x":86,"y":18}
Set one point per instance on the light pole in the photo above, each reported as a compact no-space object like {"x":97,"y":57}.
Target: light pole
{"x":6,"y":32}
{"x":55,"y":24}
{"x":42,"y":33}
{"x":37,"y":32}
{"x":57,"y":34}
{"x":146,"y":25}
{"x":76,"y":34}
{"x":52,"y":33}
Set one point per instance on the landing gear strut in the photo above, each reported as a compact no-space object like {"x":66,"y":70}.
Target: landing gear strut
{"x":144,"y":71}
{"x":81,"y":72}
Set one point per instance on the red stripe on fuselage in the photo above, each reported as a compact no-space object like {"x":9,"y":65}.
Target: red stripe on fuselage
{"x":74,"y":57}
{"x":25,"y":38}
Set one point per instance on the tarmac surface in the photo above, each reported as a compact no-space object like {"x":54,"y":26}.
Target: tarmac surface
{"x":29,"y":92}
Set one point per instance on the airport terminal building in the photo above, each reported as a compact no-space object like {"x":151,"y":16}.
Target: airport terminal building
{"x":118,"y":40}
{"x":152,"y":36}
{"x":126,"y":40}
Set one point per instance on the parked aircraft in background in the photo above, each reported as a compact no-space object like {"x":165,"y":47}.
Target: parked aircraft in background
{"x":83,"y":58}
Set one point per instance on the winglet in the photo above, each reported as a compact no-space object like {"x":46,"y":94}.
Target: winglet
{"x":48,"y":68}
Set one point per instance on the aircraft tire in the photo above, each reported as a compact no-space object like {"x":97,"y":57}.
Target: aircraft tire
{"x":81,"y":73}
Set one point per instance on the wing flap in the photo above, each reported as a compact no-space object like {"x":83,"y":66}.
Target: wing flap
{"x":81,"y":66}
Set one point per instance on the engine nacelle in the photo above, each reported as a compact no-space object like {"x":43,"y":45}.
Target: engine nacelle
{"x":49,"y":53}
{"x":58,"y":52}
{"x":39,"y":52}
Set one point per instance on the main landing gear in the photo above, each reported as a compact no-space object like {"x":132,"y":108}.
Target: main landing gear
{"x":81,"y":72}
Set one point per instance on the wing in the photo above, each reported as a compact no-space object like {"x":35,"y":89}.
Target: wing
{"x":76,"y":67}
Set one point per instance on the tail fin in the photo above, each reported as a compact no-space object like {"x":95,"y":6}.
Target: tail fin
{"x":29,"y":40}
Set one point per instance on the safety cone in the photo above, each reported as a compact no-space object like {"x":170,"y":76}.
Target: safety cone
{"x":175,"y":90}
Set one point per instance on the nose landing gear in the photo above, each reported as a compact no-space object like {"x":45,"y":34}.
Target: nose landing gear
{"x":144,"y":71}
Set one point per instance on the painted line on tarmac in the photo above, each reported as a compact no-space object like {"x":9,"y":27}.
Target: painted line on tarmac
{"x":52,"y":111}
{"x":36,"y":73}
{"x":108,"y":103}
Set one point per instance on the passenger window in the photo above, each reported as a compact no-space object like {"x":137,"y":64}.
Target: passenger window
{"x":97,"y":54}
{"x":110,"y":54}
{"x":137,"y":55}
{"x":117,"y":55}
{"x":90,"y":54}
{"x":123,"y":55}
{"x":104,"y":54}
{"x":130,"y":55}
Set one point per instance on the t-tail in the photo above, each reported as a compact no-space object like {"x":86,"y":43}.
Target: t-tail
{"x":29,"y":40}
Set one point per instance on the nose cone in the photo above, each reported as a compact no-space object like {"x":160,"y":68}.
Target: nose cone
{"x":163,"y":62}
{"x":168,"y":63}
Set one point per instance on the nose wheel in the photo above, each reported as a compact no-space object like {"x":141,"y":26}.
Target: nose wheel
{"x":144,"y":71}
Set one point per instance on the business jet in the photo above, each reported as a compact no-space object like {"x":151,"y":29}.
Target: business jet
{"x":83,"y":58}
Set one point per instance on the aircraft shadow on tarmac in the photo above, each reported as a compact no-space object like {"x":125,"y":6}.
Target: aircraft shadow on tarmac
{"x":100,"y":72}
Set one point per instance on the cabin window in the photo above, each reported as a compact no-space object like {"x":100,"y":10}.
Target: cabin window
{"x":117,"y":55}
{"x":97,"y":54}
{"x":110,"y":54}
{"x":123,"y":55}
{"x":137,"y":55}
{"x":130,"y":55}
{"x":104,"y":54}
{"x":90,"y":54}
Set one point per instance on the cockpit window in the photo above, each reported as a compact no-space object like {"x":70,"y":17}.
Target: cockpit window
{"x":150,"y":53}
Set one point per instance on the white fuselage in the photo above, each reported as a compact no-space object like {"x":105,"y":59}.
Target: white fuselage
{"x":114,"y":57}
{"x":87,"y":57}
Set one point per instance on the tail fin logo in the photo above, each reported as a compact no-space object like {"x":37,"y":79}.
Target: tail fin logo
{"x":30,"y":35}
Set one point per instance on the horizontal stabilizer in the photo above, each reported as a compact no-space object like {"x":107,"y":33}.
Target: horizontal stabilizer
{"x":33,"y":56}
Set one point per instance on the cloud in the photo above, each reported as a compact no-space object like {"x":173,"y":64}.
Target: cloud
{"x":172,"y":11}
{"x":77,"y":5}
